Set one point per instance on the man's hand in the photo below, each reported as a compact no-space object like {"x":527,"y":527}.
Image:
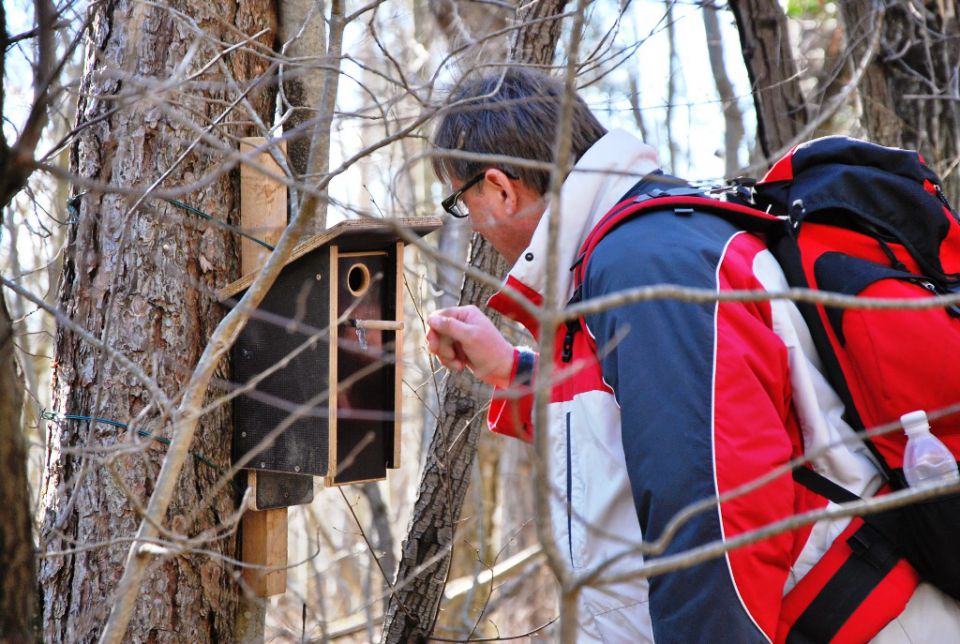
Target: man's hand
{"x":464,"y":337}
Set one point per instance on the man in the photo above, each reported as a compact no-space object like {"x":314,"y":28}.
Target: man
{"x":658,"y":405}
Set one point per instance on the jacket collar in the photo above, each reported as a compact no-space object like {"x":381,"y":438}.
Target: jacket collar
{"x":602,"y":175}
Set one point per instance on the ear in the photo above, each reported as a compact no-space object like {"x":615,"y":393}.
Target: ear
{"x":505,"y":190}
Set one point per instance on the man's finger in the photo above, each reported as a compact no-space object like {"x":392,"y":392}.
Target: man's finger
{"x":450,"y":326}
{"x":446,"y":350}
{"x":461,"y":356}
{"x":433,"y":341}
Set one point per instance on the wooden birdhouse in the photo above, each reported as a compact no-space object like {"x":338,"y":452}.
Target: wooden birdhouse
{"x":318,"y":361}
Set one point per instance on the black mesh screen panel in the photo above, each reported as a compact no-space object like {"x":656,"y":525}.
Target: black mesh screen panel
{"x":295,"y":310}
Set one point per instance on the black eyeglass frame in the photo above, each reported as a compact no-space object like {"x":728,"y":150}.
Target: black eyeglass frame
{"x":450,"y":203}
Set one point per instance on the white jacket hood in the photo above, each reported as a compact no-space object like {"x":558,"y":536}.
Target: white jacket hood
{"x":602,"y":175}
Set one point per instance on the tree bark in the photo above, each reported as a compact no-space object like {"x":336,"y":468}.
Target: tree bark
{"x":381,"y":537}
{"x":465,"y":26}
{"x":16,"y":160}
{"x":672,"y":67}
{"x":732,"y":116}
{"x":764,"y":41}
{"x":536,"y":41}
{"x":426,"y":553}
{"x":141,"y":275}
{"x":18,"y":580}
{"x":302,"y":31}
{"x":909,"y":94}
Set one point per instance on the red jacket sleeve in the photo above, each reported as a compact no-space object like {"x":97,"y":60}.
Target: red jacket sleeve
{"x":511,"y":409}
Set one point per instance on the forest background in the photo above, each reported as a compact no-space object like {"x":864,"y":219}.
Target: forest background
{"x":117,"y":113}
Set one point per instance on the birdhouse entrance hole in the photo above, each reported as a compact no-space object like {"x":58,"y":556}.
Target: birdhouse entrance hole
{"x":358,"y":279}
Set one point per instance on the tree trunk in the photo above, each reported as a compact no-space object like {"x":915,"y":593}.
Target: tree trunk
{"x":672,"y":67}
{"x":426,"y":553}
{"x":536,"y":42}
{"x":140,"y":274}
{"x":302,"y":31}
{"x":909,"y":93}
{"x":732,"y":116}
{"x":18,"y":580}
{"x":764,"y":41}
{"x":464,"y":24}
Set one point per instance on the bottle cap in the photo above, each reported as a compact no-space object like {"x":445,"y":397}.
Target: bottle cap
{"x":915,"y":422}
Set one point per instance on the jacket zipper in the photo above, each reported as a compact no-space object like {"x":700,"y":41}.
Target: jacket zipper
{"x":946,"y":203}
{"x":954,"y":309}
{"x":572,"y":327}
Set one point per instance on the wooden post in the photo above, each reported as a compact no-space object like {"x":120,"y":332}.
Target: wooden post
{"x":263,"y":206}
{"x":265,"y":544}
{"x":263,"y":214}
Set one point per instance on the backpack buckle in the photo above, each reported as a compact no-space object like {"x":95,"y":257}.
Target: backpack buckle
{"x":871,"y":546}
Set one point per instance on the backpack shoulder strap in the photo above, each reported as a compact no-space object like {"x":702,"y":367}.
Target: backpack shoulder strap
{"x":682,"y":200}
{"x":647,"y":197}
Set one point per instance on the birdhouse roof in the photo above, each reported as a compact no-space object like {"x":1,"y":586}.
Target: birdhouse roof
{"x":352,"y":234}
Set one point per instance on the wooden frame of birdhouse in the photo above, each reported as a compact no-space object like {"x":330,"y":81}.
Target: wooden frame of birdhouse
{"x":331,"y":323}
{"x":277,"y":483}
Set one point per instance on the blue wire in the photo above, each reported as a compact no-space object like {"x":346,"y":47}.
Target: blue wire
{"x":210,"y":218}
{"x":54,"y":416}
{"x":74,"y":209}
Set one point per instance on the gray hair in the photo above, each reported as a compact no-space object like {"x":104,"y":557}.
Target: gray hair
{"x":513,"y":112}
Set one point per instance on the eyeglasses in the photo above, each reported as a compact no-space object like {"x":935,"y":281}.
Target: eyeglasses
{"x":452,"y":203}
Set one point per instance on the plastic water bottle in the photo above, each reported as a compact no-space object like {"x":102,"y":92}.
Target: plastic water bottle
{"x":926,"y":460}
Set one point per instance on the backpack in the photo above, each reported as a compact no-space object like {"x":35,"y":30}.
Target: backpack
{"x":851,"y":217}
